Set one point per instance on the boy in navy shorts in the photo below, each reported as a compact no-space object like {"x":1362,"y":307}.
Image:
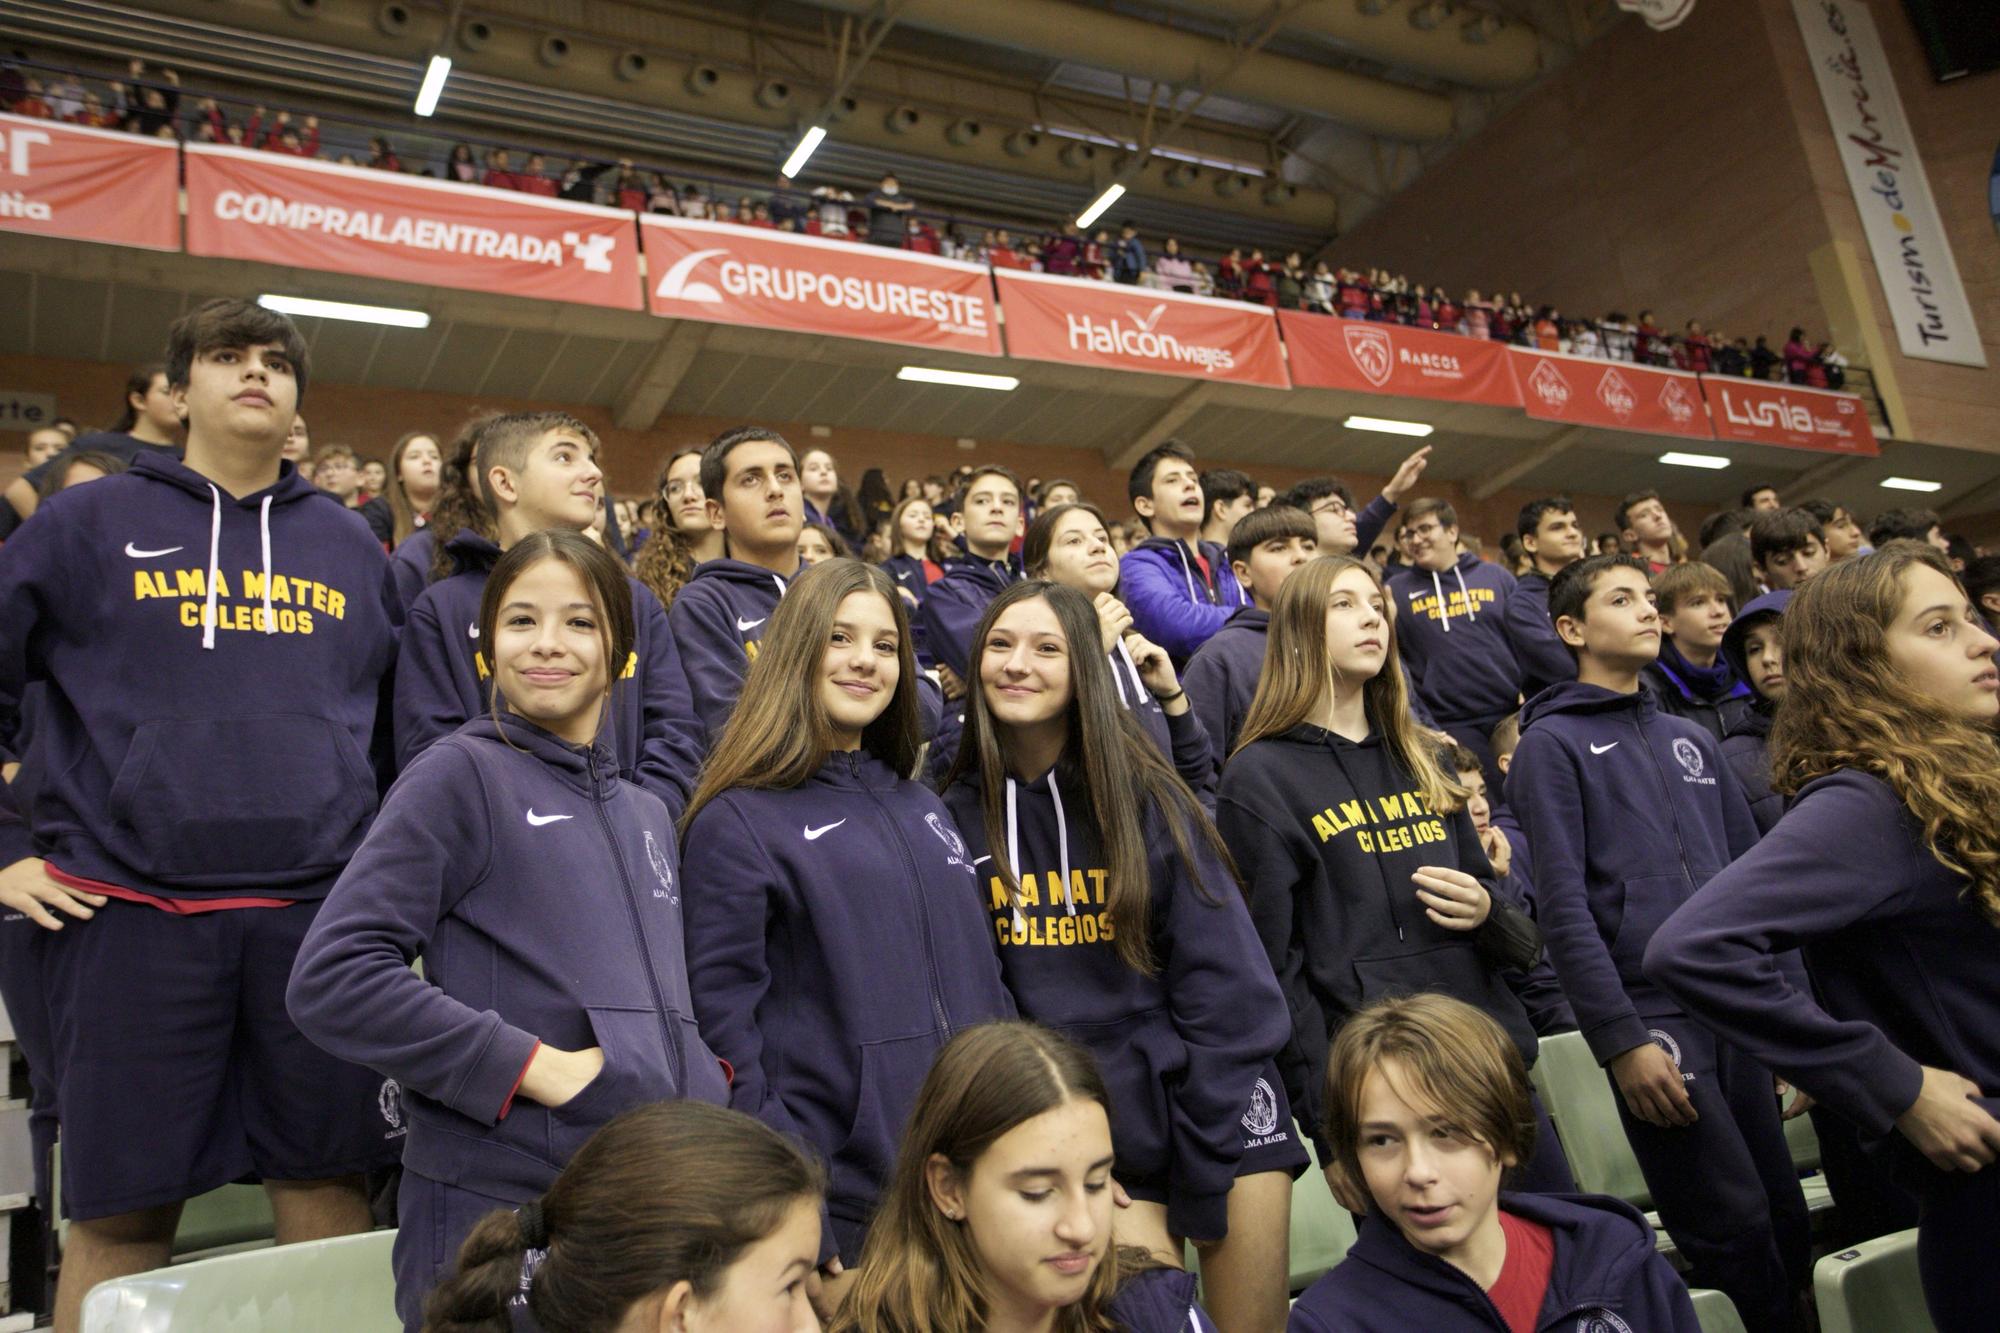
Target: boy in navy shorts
{"x":213,"y":640}
{"x":1630,"y":810}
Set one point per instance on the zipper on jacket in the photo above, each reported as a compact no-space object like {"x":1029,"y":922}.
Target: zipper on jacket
{"x":675,"y":1049}
{"x":916,"y":891}
{"x":1667,"y":790}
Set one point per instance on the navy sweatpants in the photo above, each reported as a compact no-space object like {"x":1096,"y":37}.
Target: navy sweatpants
{"x":433,"y":1220}
{"x":1725,"y":1186}
{"x":1958,"y":1241}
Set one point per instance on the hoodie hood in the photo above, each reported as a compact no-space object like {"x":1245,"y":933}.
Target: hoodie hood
{"x":1771,"y":604}
{"x":717,"y":622}
{"x":739,"y":572}
{"x":1573,"y":696}
{"x":471,"y":553}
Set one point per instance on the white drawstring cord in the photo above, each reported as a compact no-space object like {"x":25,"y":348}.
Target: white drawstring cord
{"x":214,"y":566}
{"x":270,"y":617}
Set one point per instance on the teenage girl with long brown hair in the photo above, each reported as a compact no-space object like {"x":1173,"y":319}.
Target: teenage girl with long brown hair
{"x":1885,"y":872}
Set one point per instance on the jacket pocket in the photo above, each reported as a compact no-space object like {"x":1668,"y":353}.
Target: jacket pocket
{"x":238,"y":799}
{"x":1649,"y":901}
{"x":1143,"y":1061}
{"x":892,"y":1072}
{"x":1452,"y":969}
{"x":706,"y":1081}
{"x":636,"y":1070}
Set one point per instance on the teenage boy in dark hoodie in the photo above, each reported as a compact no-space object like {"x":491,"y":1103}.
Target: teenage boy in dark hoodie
{"x":1451,"y":614}
{"x":537,"y":471}
{"x":1553,"y":539}
{"x":1221,"y":680}
{"x":1752,"y":648}
{"x":1787,"y":547}
{"x":1342,"y":528}
{"x":1179,"y":589}
{"x":990,"y":501}
{"x":213,"y":639}
{"x":1629,"y":811}
{"x":1691,"y":678}
{"x":751,"y":478}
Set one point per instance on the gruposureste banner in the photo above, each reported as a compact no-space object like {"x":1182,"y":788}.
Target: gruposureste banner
{"x":1789,"y":415}
{"x":1913,"y":256}
{"x":89,"y":185}
{"x":1080,"y":322}
{"x":247,"y":204}
{"x":1326,"y":352}
{"x":1615,"y":395}
{"x":730,"y":274}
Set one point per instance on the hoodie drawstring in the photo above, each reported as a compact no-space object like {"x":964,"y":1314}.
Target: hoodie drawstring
{"x":1014,"y":849}
{"x":1123,"y":655}
{"x":264,"y":531}
{"x":1444,"y":610}
{"x":1471,"y":611}
{"x":1187,"y":571}
{"x":214,"y":566}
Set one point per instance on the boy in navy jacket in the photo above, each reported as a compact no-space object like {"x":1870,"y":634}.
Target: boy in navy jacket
{"x":1179,"y":589}
{"x":1751,"y":647}
{"x":213,"y":639}
{"x":1552,"y":538}
{"x":1629,"y":811}
{"x":1221,"y":680}
{"x":990,"y":504}
{"x":1427,"y":1110}
{"x":538,"y":471}
{"x":1692,"y":678}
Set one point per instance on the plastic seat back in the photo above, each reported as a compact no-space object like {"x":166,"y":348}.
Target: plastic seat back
{"x":1872,"y":1288}
{"x":1716,"y":1311}
{"x":343,"y":1285}
{"x":1580,"y":1100}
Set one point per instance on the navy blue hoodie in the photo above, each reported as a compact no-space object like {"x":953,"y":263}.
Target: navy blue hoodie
{"x":1451,"y":632}
{"x":187,"y":760}
{"x":443,"y":680}
{"x":1539,"y":651}
{"x":1181,"y":1050}
{"x":717,"y":621}
{"x":1171,"y":603}
{"x":1159,"y":1300}
{"x":1904,"y":968}
{"x":540,"y":890}
{"x":837,"y":942}
{"x":1713,"y":700}
{"x":1605,"y":1275}
{"x":1744,"y":743}
{"x":1326,"y":834}
{"x":410,"y":570}
{"x":1221,"y":679}
{"x":1629,"y":811}
{"x":952,"y":607}
{"x":908,"y":571}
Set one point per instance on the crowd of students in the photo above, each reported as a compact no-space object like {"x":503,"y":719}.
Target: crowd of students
{"x":1025,"y":893}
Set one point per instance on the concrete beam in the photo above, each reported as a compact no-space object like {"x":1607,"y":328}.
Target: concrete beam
{"x":639,"y":404}
{"x":1177,"y":413}
{"x":1807,"y":484}
{"x":1554,"y":447}
{"x":1974,"y":501}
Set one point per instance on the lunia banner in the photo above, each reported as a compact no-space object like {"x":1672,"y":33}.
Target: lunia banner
{"x":1080,"y":322}
{"x":730,"y":274}
{"x":89,"y":185}
{"x":1789,"y":415}
{"x":1330,"y":353}
{"x":1615,"y":395}
{"x":246,"y":204}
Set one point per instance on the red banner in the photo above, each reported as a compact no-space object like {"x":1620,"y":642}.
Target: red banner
{"x":730,"y":274}
{"x":1083,"y":323}
{"x":1789,"y":416}
{"x":89,"y":185}
{"x":1330,"y":353}
{"x":1616,"y":395}
{"x":246,"y":204}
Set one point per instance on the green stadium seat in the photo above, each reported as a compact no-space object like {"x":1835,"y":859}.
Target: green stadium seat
{"x":326,"y":1286}
{"x":1578,"y":1098}
{"x":1872,"y":1288}
{"x":1321,"y":1229}
{"x":232,"y":1215}
{"x":1716,"y":1311}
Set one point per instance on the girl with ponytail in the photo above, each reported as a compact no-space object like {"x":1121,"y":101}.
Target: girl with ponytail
{"x":730,"y":1246}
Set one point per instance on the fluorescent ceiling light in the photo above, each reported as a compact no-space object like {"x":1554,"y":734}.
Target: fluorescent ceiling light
{"x":1911,"y":484}
{"x":1388,"y":426}
{"x":964,"y":379}
{"x":360,"y":314}
{"x":434,"y":77}
{"x":1675,"y":458}
{"x":1112,"y":194}
{"x":797,"y":161}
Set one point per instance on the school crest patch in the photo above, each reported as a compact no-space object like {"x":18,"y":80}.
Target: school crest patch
{"x":954,"y":845}
{"x":1262,"y":1117}
{"x":663,"y":870}
{"x":1688,"y":755}
{"x":1601,"y":1320}
{"x":389,"y":1101}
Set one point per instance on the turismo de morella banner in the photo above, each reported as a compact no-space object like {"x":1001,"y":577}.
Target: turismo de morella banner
{"x":1905,"y":234}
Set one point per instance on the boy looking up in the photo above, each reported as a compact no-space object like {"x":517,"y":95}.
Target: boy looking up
{"x":1787,"y":547}
{"x":990,"y":503}
{"x":538,"y":471}
{"x":1553,"y":539}
{"x":1179,"y":589}
{"x":1689,"y":679}
{"x":1343,"y":529}
{"x":1451,"y":629}
{"x":750,"y":477}
{"x":1647,"y":529}
{"x":1265,"y":546}
{"x":1226,"y":496}
{"x":212,"y":640}
{"x":1629,"y":811}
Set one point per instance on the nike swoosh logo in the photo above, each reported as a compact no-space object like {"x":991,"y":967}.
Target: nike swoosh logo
{"x":903,"y":577}
{"x":132,"y":549}
{"x":1600,"y":749}
{"x":812,"y":834}
{"x":539,"y":820}
{"x":743,"y":624}
{"x":472,"y":630}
